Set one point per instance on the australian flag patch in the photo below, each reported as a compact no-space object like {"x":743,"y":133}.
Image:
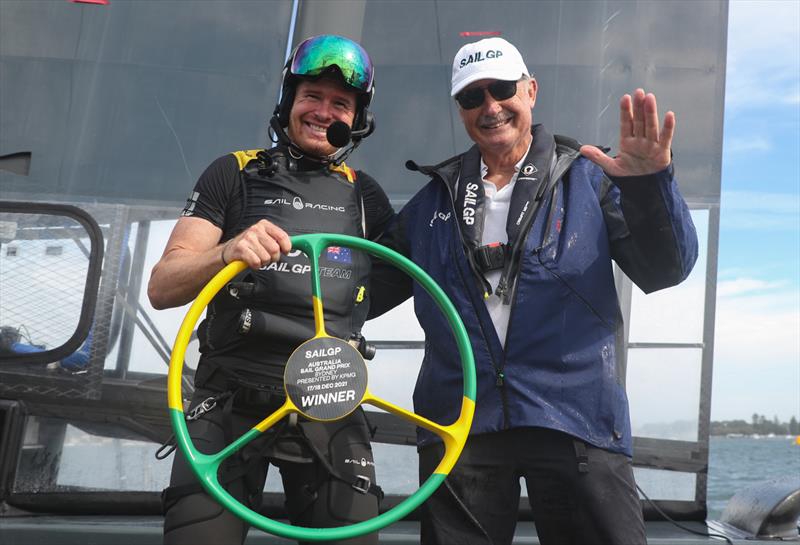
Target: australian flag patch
{"x":339,"y":254}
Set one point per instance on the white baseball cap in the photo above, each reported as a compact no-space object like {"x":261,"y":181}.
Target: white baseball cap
{"x":490,"y":58}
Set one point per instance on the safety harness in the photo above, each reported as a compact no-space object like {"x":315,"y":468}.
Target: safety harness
{"x":248,"y":399}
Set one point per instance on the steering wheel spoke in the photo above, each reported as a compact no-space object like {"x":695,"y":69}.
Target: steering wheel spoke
{"x":207,"y":465}
{"x":253,"y":433}
{"x":453,"y":435}
{"x":312,"y":247}
{"x":438,"y":429}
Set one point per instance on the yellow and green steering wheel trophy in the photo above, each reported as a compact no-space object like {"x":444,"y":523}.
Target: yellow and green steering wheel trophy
{"x":325,"y":380}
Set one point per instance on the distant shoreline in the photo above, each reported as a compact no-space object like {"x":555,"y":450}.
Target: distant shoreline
{"x":759,"y":426}
{"x":754,"y":435}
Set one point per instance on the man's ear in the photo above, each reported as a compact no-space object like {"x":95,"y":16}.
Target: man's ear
{"x":533,"y":89}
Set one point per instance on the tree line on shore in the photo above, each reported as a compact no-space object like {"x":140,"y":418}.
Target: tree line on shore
{"x":759,"y":424}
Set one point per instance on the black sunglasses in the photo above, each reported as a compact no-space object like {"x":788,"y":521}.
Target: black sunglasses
{"x":500,"y":90}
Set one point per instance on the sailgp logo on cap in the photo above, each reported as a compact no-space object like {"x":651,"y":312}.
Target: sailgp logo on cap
{"x":480,"y":56}
{"x":491,"y":58}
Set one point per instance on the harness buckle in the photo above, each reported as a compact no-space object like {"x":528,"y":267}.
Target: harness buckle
{"x":490,"y":257}
{"x":362,"y":484}
{"x":201,"y":409}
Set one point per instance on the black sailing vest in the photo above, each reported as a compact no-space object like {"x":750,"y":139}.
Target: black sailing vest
{"x":256,"y":321}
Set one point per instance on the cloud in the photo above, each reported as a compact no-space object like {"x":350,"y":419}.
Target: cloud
{"x":757,"y":350}
{"x":758,"y":327}
{"x":747,"y":210}
{"x":763,"y":65}
{"x":746,"y":286}
{"x":781,"y":203}
{"x":747,"y":144}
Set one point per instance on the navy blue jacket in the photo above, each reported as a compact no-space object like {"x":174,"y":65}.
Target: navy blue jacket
{"x":562,"y":364}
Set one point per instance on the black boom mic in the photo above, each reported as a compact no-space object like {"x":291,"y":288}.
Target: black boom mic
{"x":338,"y":134}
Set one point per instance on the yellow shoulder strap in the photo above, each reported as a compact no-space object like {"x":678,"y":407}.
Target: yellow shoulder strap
{"x":244,"y":157}
{"x":345,"y":171}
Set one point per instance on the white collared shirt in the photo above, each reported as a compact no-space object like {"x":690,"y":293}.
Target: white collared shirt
{"x":496,"y":205}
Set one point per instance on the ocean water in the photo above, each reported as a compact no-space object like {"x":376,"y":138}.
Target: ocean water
{"x":120,"y":464}
{"x":738,"y":462}
{"x":734,"y":464}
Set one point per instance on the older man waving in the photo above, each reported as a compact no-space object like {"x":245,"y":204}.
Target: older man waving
{"x":521,"y":231}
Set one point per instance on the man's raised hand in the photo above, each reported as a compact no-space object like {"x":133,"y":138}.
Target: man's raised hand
{"x":643,"y":148}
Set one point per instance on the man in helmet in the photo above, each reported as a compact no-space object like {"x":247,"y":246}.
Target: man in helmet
{"x":244,"y":207}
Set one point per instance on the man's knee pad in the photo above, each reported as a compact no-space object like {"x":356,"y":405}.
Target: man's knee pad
{"x":197,"y":518}
{"x":352,"y":499}
{"x":343,"y":489}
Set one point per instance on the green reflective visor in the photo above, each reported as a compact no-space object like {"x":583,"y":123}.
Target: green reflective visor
{"x":317,"y":55}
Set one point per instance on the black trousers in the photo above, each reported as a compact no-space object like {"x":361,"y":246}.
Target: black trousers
{"x":313,"y":497}
{"x":579,"y":494}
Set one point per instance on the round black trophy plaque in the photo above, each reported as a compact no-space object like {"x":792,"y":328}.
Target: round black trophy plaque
{"x":326,"y":378}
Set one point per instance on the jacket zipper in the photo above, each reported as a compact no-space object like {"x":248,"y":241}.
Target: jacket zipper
{"x":559,"y":170}
{"x":508,"y":281}
{"x":499,"y":376}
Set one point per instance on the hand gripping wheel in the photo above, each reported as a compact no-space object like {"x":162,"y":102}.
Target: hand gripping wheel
{"x":325,"y":380}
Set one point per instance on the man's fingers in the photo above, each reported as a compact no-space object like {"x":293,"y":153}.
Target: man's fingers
{"x":253,"y":249}
{"x":638,"y":113}
{"x":260,"y":244}
{"x":273,"y":249}
{"x":241,"y":249}
{"x":267,"y":247}
{"x":256,"y":256}
{"x":668,"y":131}
{"x":651,"y":117}
{"x":277,"y":234}
{"x":644,"y":147}
{"x":250,"y":247}
{"x":625,"y":117}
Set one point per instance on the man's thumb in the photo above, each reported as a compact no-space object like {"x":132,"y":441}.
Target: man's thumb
{"x":597,"y":156}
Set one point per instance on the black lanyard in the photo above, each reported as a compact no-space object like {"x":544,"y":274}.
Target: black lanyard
{"x":525,"y":199}
{"x":470,"y":198}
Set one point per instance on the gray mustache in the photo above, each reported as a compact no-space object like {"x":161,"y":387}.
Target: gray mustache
{"x":491,"y":120}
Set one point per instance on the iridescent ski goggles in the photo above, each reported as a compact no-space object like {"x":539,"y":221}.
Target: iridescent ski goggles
{"x":317,"y":55}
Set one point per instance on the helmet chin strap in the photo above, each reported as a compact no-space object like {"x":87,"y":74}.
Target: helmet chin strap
{"x":336,"y":158}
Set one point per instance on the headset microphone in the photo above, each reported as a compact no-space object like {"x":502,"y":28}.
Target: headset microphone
{"x":338,"y":134}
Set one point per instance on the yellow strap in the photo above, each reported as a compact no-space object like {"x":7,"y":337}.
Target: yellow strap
{"x":245,"y":156}
{"x":345,"y":170}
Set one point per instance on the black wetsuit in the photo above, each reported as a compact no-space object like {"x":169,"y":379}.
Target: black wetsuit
{"x":324,"y":485}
